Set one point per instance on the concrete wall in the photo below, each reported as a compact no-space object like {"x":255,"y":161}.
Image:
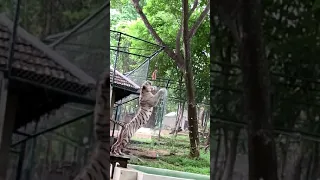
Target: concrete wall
{"x":131,"y":174}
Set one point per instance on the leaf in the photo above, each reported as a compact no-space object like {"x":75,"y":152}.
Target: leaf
{"x":316,"y":5}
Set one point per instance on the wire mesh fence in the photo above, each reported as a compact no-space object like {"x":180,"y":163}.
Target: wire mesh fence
{"x":31,"y":61}
{"x":129,"y":56}
{"x":56,"y":146}
{"x":58,"y":52}
{"x":168,"y":121}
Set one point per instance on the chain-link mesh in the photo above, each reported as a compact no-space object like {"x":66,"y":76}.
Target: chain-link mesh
{"x":86,"y":46}
{"x":36,"y":64}
{"x":140,"y":74}
{"x":65,"y":72}
{"x":129,"y":56}
{"x":58,"y":153}
{"x":127,"y":108}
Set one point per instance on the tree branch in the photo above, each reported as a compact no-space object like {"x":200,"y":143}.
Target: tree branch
{"x":228,"y":12}
{"x":167,"y":50}
{"x":194,"y":6}
{"x":178,"y":38}
{"x":198,"y":22}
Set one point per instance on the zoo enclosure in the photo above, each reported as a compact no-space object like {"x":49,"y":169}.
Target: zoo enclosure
{"x":55,"y":143}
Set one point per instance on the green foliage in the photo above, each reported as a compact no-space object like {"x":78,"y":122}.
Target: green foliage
{"x":316,"y":5}
{"x":43,"y":18}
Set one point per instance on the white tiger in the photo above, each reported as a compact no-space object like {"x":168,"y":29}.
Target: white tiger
{"x":147,"y":101}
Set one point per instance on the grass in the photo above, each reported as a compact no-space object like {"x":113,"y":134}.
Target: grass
{"x":141,"y":140}
{"x":178,"y":148}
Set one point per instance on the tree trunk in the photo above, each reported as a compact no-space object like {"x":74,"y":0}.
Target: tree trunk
{"x":217,"y":155}
{"x":75,"y":152}
{"x":284,"y":153}
{"x":309,"y":165}
{"x":189,"y":80}
{"x":297,"y":168}
{"x":63,"y":151}
{"x":226,"y":144}
{"x":180,"y":109}
{"x":173,"y":130}
{"x":205,"y":124}
{"x":180,"y":117}
{"x":262,"y":150}
{"x":201,"y":117}
{"x":231,"y":159}
{"x":208,"y":142}
{"x":46,"y":14}
{"x":192,"y":116}
{"x":315,"y":167}
{"x":48,"y":152}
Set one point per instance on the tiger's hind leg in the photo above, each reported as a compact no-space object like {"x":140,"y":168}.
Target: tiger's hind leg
{"x":115,"y":146}
{"x":116,"y":151}
{"x":120,"y":147}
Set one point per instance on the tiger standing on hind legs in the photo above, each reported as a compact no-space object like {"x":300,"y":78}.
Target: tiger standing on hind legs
{"x":99,"y":163}
{"x":147,"y":101}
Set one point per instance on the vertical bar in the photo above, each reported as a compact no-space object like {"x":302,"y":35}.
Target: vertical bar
{"x":20,"y":162}
{"x":114,"y":75}
{"x":116,"y":60}
{"x":163,"y":110}
{"x":30,"y":163}
{"x":115,"y":118}
{"x":148,"y":69}
{"x":167,"y":85}
{"x":13,"y":37}
{"x":160,"y":123}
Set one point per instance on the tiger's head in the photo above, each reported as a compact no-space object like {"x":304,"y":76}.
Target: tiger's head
{"x":145,"y":93}
{"x":146,"y":87}
{"x":148,"y":95}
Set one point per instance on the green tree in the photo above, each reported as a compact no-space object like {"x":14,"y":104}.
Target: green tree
{"x":42,"y":18}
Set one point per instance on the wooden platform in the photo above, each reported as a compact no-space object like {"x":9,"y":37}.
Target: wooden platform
{"x":122,"y":160}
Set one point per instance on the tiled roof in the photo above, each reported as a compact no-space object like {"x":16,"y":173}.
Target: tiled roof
{"x":28,"y":58}
{"x":34,"y":58}
{"x":122,"y":81}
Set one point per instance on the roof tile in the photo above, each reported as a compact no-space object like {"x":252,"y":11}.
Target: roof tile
{"x":30,"y":59}
{"x":123,"y":81}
